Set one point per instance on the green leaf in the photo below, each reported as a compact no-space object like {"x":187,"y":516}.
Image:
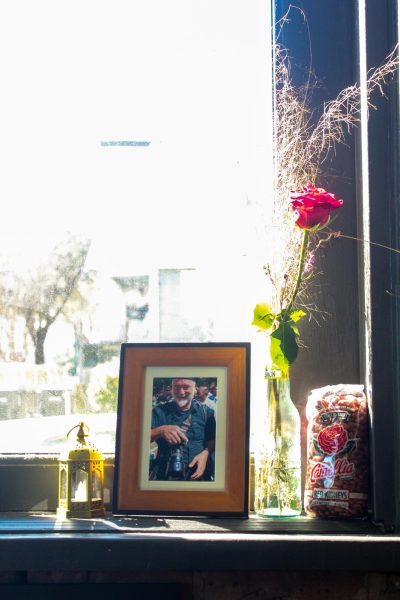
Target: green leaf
{"x":287,"y":337}
{"x":317,"y":446}
{"x":284,"y":348}
{"x":295,"y":328}
{"x":296,"y":315}
{"x":279,"y":361}
{"x":263,"y":316}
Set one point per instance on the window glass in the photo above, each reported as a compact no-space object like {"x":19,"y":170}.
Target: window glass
{"x":135,"y":178}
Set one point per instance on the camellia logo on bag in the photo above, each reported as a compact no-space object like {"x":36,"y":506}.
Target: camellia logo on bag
{"x":333,"y":440}
{"x":341,"y":468}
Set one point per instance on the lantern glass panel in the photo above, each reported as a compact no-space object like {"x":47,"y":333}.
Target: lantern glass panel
{"x":79,"y":486}
{"x":63,"y":484}
{"x":96,"y":485}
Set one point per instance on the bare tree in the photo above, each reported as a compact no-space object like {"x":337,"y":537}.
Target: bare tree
{"x":46,"y":292}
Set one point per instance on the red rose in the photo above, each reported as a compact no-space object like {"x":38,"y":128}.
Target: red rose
{"x":332,"y":439}
{"x":312,"y":207}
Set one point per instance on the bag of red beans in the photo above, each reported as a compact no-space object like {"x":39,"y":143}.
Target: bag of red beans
{"x":337,"y":456}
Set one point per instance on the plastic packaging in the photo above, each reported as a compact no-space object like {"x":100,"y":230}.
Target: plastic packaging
{"x":337,"y":457}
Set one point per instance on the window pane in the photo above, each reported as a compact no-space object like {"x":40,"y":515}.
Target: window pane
{"x":136,"y":156}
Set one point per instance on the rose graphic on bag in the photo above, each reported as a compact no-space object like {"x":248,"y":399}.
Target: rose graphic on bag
{"x":332,"y":440}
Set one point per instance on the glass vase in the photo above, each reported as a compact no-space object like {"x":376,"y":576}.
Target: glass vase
{"x":277,"y":460}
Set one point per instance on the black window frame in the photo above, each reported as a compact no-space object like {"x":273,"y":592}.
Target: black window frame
{"x":318,"y":30}
{"x":383,"y":165}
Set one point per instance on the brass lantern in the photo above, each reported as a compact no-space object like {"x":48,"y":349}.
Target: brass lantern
{"x":81,"y":479}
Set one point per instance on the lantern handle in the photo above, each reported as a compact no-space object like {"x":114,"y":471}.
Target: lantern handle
{"x":81,"y":433}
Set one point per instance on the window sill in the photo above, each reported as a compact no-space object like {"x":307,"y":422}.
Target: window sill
{"x":40,"y":542}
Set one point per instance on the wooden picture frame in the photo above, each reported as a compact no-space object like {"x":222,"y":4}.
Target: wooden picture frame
{"x":143,"y":484}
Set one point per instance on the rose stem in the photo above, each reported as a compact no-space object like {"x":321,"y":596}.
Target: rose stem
{"x":304,"y":244}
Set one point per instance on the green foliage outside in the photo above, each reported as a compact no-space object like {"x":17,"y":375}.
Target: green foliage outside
{"x":107,"y":397}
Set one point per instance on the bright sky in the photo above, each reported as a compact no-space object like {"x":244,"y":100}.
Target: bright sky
{"x":189,"y":76}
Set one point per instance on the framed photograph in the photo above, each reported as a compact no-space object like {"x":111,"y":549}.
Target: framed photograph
{"x":182,"y":443}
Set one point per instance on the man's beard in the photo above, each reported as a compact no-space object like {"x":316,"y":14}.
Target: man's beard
{"x":184,"y":403}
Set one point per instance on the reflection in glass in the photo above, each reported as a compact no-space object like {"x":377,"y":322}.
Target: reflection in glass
{"x":63,"y":484}
{"x":96,"y":485}
{"x":79,"y":486}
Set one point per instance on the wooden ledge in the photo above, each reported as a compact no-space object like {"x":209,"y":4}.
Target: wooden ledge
{"x":40,"y":542}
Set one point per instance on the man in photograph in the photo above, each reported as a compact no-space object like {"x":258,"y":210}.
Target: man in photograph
{"x":184,"y":431}
{"x":203,"y":396}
